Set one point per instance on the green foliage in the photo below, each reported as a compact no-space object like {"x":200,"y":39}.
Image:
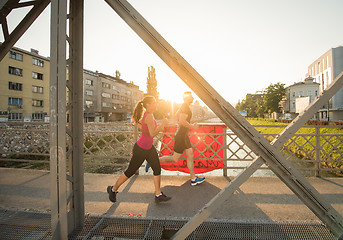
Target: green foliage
{"x":117,"y":74}
{"x":332,"y":148}
{"x":272,"y":97}
{"x":253,"y":104}
{"x":152,"y":83}
{"x":257,"y":105}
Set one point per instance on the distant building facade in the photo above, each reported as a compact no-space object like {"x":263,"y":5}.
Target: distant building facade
{"x":25,"y":79}
{"x":24,"y":95}
{"x":324,"y":70}
{"x":298,"y":96}
{"x":108,"y":98}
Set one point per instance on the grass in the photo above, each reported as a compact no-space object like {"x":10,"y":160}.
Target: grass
{"x":332,"y":146}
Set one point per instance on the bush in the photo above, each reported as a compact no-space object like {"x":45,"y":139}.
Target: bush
{"x":323,"y":123}
{"x":312,"y":122}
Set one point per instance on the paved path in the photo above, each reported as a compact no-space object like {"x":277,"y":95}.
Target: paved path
{"x":258,"y":199}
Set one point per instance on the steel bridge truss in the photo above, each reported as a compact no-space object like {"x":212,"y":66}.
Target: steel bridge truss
{"x":66,"y":116}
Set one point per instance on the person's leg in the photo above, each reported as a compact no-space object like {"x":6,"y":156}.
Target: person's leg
{"x":190,"y":162}
{"x":122,"y":178}
{"x":174,"y":158}
{"x":152,"y":159}
{"x":157,"y":183}
{"x":195,"y":180}
{"x":135,"y":162}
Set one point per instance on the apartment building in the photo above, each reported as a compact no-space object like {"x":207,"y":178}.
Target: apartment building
{"x":92,"y":103}
{"x":108,"y":98}
{"x":324,"y":70}
{"x":298,"y":96}
{"x":24,"y":95}
{"x":118,"y":98}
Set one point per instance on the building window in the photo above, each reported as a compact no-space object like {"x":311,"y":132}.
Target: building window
{"x":16,"y":56}
{"x":316,"y":93}
{"x":106,"y":85}
{"x":89,"y":82}
{"x":319,"y":70}
{"x":115,"y":96}
{"x":15,"y":101}
{"x":293,"y":94}
{"x":89,"y":103}
{"x":106,"y":95}
{"x":15,"y":86}
{"x":37,"y":62}
{"x":115,"y":88}
{"x":37,"y":103}
{"x":293,"y":104}
{"x":89,"y":92}
{"x":15,"y":116}
{"x":37,"y":75}
{"x":15,"y":71}
{"x":309,"y":92}
{"x":37,"y":89}
{"x":106,"y":104}
{"x":37,"y":116}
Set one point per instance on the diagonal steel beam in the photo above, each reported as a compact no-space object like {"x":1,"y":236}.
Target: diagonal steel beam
{"x":21,"y":28}
{"x":278,"y":142}
{"x":231,"y":117}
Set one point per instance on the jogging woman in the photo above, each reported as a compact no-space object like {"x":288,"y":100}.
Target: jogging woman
{"x":143,"y":148}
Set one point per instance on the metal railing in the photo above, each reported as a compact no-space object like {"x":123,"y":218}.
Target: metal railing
{"x":314,"y":148}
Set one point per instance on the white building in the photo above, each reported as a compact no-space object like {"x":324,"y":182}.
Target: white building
{"x":324,"y":70}
{"x":299,"y":96}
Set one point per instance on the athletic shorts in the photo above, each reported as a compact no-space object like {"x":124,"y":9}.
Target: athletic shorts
{"x":181,"y":143}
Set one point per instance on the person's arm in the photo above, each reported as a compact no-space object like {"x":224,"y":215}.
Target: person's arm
{"x":185,"y":123}
{"x":153,"y":131}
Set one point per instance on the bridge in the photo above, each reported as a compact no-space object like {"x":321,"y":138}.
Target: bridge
{"x":67,"y":181}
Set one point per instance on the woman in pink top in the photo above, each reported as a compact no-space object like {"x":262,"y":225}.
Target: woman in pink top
{"x":143,"y":149}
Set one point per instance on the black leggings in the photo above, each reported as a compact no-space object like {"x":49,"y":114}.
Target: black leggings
{"x":138,"y":157}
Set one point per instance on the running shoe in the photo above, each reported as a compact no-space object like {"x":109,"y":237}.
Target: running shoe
{"x":147,"y":166}
{"x":112,"y":195}
{"x":162,"y":198}
{"x":197,"y":181}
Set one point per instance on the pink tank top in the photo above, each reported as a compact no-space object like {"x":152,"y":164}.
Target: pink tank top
{"x":145,"y":141}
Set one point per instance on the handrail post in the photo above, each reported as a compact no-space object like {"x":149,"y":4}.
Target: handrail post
{"x":317,"y":150}
{"x":225,"y":151}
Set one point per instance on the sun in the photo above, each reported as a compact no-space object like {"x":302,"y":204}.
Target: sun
{"x":171,"y":93}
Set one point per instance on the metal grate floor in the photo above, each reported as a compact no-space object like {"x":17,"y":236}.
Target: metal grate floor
{"x":31,"y":225}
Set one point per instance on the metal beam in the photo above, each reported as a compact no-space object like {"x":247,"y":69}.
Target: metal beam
{"x":58,"y":189}
{"x":76,"y":112}
{"x":278,"y":142}
{"x":231,"y":117}
{"x":21,"y":28}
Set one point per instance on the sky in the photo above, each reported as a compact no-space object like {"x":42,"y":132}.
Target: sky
{"x":239,"y":47}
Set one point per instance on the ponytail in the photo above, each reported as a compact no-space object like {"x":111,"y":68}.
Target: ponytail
{"x":138,"y":110}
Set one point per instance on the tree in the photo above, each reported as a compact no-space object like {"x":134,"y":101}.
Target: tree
{"x":152,"y":83}
{"x":117,"y":74}
{"x":252,"y":104}
{"x":272,"y":97}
